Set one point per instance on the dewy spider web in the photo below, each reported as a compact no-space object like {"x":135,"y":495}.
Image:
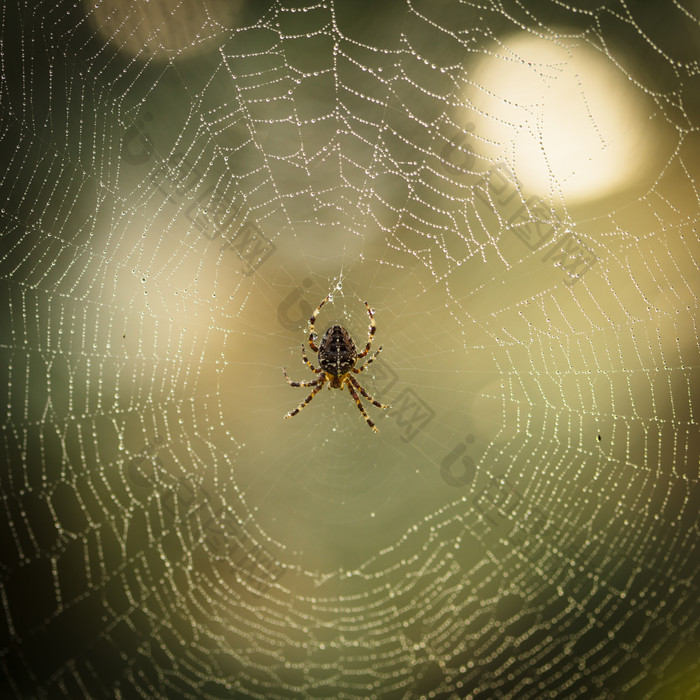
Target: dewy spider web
{"x":183,"y":183}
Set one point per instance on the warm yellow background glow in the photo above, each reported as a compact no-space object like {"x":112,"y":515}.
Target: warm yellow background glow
{"x":563,"y":115}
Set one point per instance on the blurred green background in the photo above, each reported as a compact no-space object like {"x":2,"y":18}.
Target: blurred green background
{"x":512,"y":187}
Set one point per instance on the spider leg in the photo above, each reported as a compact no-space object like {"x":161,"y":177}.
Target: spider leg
{"x":368,"y":363}
{"x":306,"y":359}
{"x":372,"y":328}
{"x":319,"y":386}
{"x":357,"y":386}
{"x":312,"y":321}
{"x":291,"y":383}
{"x":361,"y":407}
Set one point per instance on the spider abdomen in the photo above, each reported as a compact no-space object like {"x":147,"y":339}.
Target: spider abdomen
{"x":336,"y":352}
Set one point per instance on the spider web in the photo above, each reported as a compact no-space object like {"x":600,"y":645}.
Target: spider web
{"x":184,"y":183}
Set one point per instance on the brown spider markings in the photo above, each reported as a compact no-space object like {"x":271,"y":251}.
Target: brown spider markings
{"x":337,"y":356}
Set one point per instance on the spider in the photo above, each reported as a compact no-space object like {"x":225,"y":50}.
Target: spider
{"x":337,"y":356}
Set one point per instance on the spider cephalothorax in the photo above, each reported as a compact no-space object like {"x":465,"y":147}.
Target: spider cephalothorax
{"x":337,"y":356}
